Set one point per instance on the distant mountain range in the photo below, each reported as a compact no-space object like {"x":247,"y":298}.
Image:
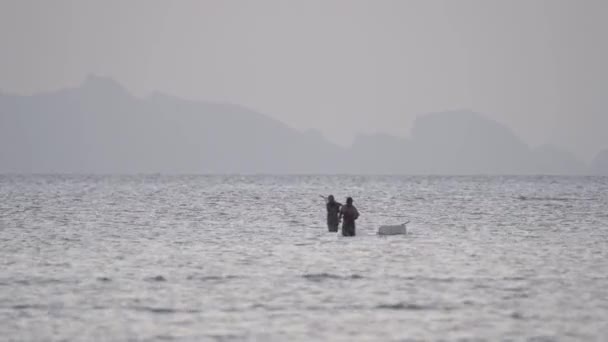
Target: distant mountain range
{"x":99,"y":127}
{"x":599,"y":165}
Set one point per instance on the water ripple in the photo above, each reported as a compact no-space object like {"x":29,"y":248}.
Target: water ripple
{"x":157,"y":257}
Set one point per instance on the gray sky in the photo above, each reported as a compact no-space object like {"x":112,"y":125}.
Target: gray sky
{"x":342,"y":67}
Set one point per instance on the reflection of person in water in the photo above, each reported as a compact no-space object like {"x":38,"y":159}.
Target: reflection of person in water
{"x":349,"y":214}
{"x":333,"y":214}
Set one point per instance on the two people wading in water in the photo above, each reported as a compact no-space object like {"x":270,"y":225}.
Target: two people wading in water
{"x":336,"y":212}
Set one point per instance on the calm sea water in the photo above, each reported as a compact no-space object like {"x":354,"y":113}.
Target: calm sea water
{"x":249,"y":258}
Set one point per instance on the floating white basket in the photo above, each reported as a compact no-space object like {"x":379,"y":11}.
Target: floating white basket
{"x":400,"y":229}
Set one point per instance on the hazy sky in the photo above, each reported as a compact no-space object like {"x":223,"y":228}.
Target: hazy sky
{"x":342,"y":67}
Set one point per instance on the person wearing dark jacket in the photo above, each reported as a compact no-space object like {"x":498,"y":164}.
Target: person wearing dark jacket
{"x":349,"y":214}
{"x":333,"y":214}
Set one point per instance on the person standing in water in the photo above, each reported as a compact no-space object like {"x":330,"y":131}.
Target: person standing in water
{"x":333,"y":214}
{"x":349,"y":214}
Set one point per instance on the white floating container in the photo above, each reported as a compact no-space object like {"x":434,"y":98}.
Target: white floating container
{"x":393,"y":230}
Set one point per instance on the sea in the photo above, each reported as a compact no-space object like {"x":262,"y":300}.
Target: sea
{"x":249,"y":258}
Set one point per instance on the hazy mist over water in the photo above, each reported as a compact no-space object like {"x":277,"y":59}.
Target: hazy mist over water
{"x":162,"y":165}
{"x":340,"y":67}
{"x":100,"y":127}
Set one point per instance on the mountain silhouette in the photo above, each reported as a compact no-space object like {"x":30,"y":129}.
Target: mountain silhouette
{"x":99,"y":127}
{"x":599,"y":165}
{"x":467,"y":143}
